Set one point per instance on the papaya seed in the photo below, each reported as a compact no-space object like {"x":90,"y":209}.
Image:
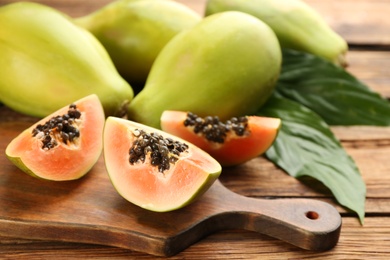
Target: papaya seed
{"x":213,"y":129}
{"x":162,"y":151}
{"x":59,"y":128}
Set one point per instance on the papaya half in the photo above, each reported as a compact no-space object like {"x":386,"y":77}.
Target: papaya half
{"x":153,"y":169}
{"x":47,"y":62}
{"x":63,"y":146}
{"x":233,"y":142}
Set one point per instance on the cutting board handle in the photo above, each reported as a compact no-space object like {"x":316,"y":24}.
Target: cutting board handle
{"x":307,"y":223}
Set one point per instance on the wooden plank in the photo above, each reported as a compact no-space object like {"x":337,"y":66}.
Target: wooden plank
{"x":360,"y":22}
{"x":372,"y":68}
{"x":196,"y":5}
{"x":370,"y":241}
{"x":368,"y":133}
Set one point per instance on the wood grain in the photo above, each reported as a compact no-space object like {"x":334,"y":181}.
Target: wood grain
{"x":360,"y":22}
{"x":365,"y":25}
{"x":372,"y":68}
{"x":356,"y":242}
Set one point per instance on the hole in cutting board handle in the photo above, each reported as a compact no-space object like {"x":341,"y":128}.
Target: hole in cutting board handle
{"x":313,"y":215}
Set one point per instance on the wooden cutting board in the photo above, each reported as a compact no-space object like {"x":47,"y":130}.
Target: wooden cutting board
{"x":89,"y":210}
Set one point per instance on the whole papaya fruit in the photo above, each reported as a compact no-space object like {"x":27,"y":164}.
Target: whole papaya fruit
{"x":296,"y":24}
{"x":134,"y":32}
{"x":225,"y":66}
{"x":47,"y":62}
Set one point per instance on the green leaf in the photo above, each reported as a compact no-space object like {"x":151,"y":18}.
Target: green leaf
{"x":330,"y":91}
{"x":306,"y":146}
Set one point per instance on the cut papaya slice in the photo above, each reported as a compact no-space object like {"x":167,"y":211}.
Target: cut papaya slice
{"x":153,"y":169}
{"x":231,"y":143}
{"x":62,"y":146}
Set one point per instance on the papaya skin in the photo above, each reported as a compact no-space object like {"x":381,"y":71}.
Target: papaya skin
{"x":48,"y":62}
{"x":232,"y":71}
{"x":296,"y":24}
{"x":134,"y":32}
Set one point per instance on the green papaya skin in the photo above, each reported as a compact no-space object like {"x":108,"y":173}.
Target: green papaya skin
{"x":47,"y":62}
{"x":226,"y":66}
{"x":134,"y":32}
{"x":296,"y":25}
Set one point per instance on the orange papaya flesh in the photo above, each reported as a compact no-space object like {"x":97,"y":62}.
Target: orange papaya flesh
{"x":235,"y":149}
{"x":61,"y":159}
{"x":148,"y":186}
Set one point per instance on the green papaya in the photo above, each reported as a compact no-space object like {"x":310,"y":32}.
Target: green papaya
{"x":134,"y":32}
{"x":296,"y":24}
{"x":227,"y":65}
{"x":48,"y":62}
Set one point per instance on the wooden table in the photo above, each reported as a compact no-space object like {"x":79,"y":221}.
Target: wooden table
{"x":366,"y":26}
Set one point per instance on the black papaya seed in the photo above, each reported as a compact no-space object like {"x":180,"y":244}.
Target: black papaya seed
{"x":213,"y":129}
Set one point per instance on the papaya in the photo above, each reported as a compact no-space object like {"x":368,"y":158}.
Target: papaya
{"x":153,"y":169}
{"x":226,"y":65}
{"x":296,"y":24}
{"x":47,"y":62}
{"x":63,"y":146}
{"x":233,"y":142}
{"x":134,"y":32}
